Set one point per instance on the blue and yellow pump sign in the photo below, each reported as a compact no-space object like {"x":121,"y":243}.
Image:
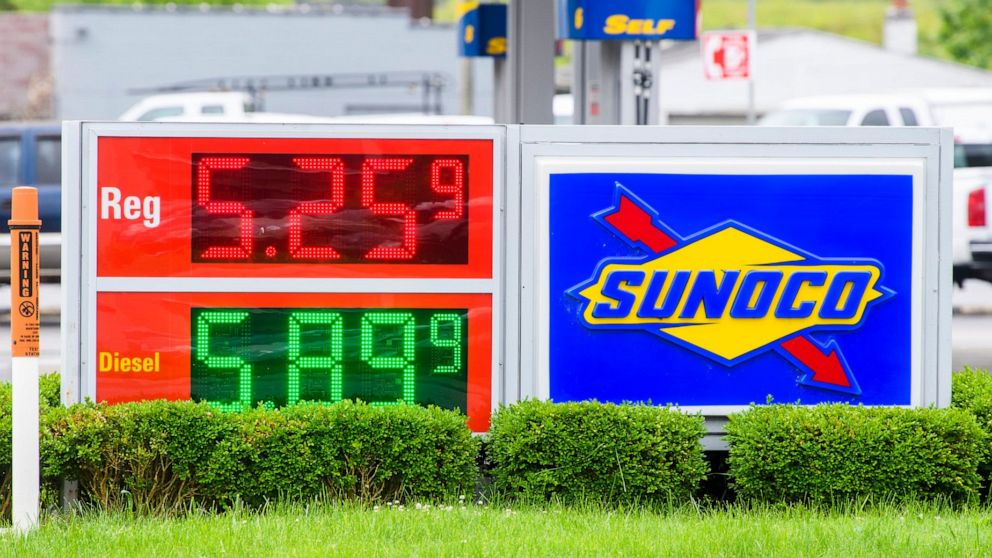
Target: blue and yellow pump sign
{"x":481,"y":30}
{"x":725,"y":290}
{"x":624,"y":20}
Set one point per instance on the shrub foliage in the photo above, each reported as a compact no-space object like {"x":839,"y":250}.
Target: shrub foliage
{"x":971,"y":390}
{"x":832,"y":452}
{"x":575,"y":451}
{"x":161,"y":456}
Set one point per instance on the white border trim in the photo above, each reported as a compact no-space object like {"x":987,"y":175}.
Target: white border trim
{"x":71,"y":237}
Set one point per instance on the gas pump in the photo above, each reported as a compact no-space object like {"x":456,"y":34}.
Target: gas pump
{"x":482,"y":34}
{"x":616,"y":55}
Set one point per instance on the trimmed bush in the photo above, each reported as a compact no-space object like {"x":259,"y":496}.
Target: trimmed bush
{"x":578,"y":451}
{"x":146,"y":456}
{"x":161,"y":456}
{"x":6,"y":455}
{"x":347,"y":450}
{"x":971,"y":390}
{"x":50,"y":390}
{"x":831,"y":452}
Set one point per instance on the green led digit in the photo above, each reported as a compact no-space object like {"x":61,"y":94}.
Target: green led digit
{"x":224,"y":317}
{"x":405,"y":362}
{"x":454,"y":343}
{"x":330,"y":362}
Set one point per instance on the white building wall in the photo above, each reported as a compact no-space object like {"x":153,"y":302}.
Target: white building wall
{"x":100,"y":53}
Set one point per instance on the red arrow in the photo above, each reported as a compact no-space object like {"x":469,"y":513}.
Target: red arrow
{"x":826,"y":368}
{"x":637,"y":225}
{"x":827,"y":365}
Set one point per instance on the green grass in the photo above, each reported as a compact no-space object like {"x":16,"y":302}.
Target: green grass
{"x":913,"y":530}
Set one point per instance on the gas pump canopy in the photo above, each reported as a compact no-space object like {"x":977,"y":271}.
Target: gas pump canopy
{"x":466,"y":267}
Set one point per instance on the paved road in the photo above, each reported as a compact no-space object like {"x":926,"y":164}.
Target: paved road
{"x":971,"y":333}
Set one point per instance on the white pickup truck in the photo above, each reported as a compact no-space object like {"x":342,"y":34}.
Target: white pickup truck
{"x":209,"y":106}
{"x":972,"y":237}
{"x":234,"y":106}
{"x":968,"y":111}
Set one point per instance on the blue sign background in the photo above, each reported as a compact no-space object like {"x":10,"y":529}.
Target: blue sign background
{"x":595,"y":12}
{"x":488,"y":22}
{"x":828,"y":216}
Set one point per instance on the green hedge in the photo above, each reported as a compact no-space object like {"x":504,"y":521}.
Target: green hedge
{"x":971,"y":389}
{"x":833,"y":452}
{"x":159,"y":455}
{"x":578,"y":451}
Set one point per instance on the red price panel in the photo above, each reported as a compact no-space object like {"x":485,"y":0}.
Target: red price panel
{"x":244,"y":270}
{"x":244,"y":349}
{"x":263,"y":207}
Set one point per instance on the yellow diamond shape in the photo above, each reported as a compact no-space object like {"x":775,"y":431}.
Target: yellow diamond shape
{"x":726,"y":250}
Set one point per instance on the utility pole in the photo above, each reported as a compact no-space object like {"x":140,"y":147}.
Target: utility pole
{"x":752,"y":24}
{"x":528,"y":82}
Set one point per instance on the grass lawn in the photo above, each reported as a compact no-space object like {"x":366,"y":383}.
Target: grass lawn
{"x":910,"y":530}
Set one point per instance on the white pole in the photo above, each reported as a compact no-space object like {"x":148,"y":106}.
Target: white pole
{"x":752,"y":23}
{"x":24,"y":335}
{"x":25,"y":463}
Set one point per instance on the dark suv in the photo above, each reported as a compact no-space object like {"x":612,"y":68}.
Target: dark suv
{"x":31,"y":155}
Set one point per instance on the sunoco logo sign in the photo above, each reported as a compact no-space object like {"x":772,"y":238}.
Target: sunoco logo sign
{"x":730,"y":292}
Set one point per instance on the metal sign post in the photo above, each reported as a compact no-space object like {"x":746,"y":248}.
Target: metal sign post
{"x":24,"y":333}
{"x":752,"y":24}
{"x":529,"y":79}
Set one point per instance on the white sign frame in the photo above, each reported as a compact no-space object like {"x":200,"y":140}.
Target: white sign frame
{"x":79,"y":246}
{"x":924,"y":153}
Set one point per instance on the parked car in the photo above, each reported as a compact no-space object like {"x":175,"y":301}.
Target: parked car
{"x":209,"y":106}
{"x":972,"y":237}
{"x":851,"y":110}
{"x":189,"y":106}
{"x":31,"y":155}
{"x":968,"y":111}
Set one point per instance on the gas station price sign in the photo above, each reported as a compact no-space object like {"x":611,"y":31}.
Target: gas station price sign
{"x":251,"y":265}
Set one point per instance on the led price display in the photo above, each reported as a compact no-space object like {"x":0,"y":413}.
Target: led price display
{"x":329,"y":208}
{"x":294,"y":207}
{"x":279,"y":356}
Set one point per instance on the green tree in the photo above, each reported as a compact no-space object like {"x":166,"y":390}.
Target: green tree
{"x":966,"y":31}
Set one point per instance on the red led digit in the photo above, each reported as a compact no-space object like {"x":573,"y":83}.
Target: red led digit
{"x":455,"y":187}
{"x":335,"y":167}
{"x":203,"y":177}
{"x":369,"y":169}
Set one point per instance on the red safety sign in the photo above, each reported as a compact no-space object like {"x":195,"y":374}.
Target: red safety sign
{"x":728,"y":54}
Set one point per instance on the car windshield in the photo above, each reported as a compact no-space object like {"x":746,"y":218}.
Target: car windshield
{"x":973,"y":155}
{"x":10,"y":156}
{"x":807,"y":117}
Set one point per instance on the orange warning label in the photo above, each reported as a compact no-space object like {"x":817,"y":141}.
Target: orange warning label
{"x":25,"y":326}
